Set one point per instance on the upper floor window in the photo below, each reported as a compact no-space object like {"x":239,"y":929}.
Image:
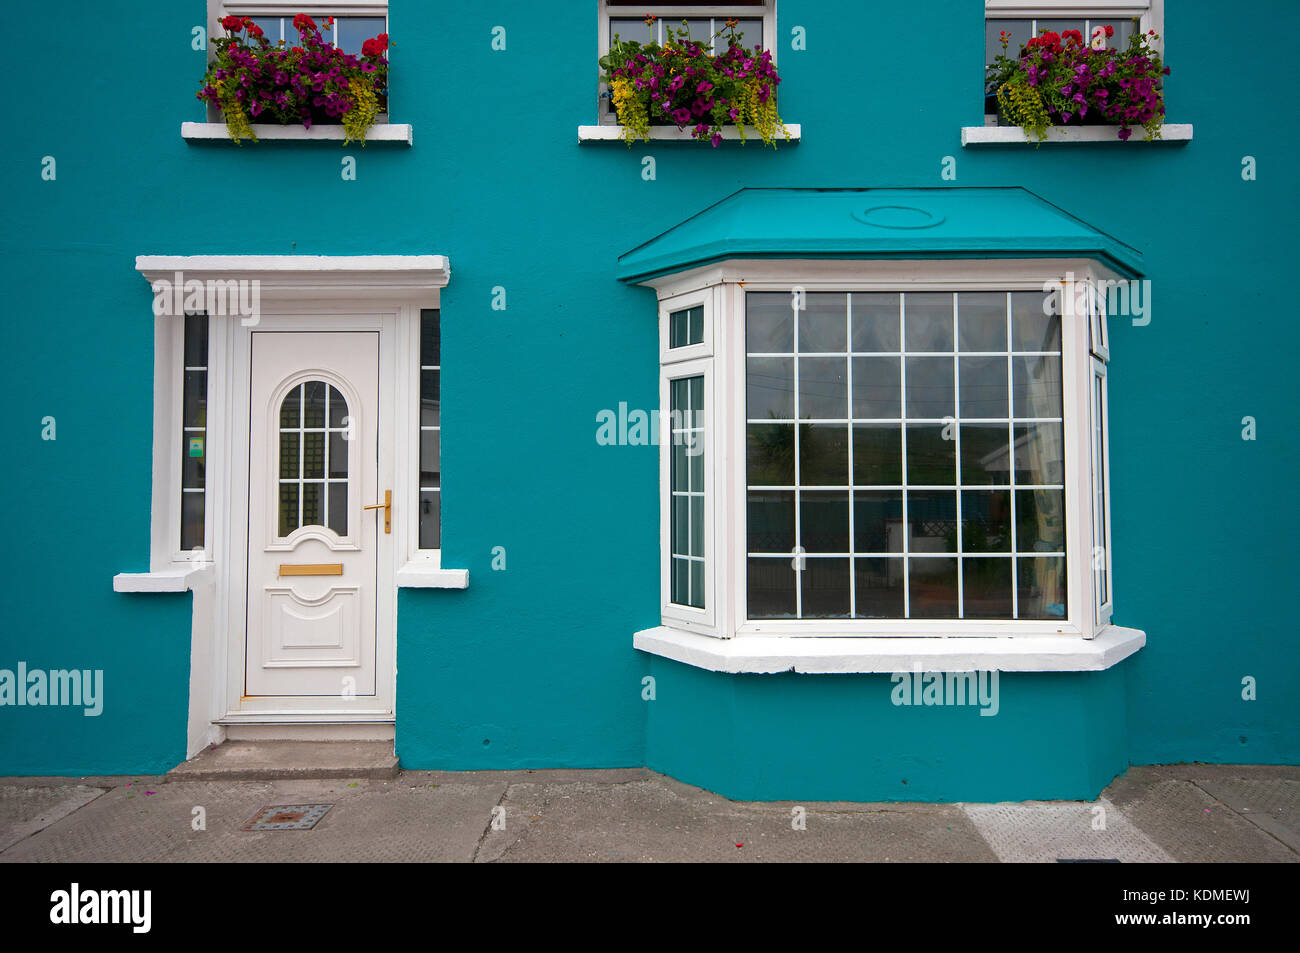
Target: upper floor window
{"x":1110,"y":23}
{"x":641,"y":22}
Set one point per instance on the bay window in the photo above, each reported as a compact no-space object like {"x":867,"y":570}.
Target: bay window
{"x":883,"y":449}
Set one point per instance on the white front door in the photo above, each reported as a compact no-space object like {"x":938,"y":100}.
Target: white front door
{"x":313,"y":551}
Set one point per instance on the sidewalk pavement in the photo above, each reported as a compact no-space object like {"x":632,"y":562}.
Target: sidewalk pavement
{"x":1182,"y":813}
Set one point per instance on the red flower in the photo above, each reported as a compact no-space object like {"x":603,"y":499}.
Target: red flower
{"x":303,"y":21}
{"x":254,"y":30}
{"x":1110,"y":31}
{"x":233,"y":24}
{"x":1074,"y":37}
{"x":376,"y":46}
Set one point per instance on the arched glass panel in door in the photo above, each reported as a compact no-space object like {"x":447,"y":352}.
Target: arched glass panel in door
{"x":313,"y":459}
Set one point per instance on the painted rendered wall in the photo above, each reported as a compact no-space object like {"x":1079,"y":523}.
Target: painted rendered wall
{"x":842,"y":738}
{"x":536,"y":660}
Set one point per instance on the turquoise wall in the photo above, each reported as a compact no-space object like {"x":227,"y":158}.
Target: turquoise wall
{"x":533,"y":666}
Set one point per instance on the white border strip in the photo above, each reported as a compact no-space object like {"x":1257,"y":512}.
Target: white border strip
{"x":379,"y":132}
{"x":824,"y":655}
{"x":1171,"y":133}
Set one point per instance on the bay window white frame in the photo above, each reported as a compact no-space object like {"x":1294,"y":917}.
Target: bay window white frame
{"x":692,"y":360}
{"x":723,"y":287}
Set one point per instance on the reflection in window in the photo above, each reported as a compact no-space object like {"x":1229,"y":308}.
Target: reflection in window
{"x":194,"y":423}
{"x":313,"y":454}
{"x":347,"y":33}
{"x":430,"y":431}
{"x":904,"y":456}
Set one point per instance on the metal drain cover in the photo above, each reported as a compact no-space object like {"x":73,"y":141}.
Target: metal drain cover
{"x":287,"y":817}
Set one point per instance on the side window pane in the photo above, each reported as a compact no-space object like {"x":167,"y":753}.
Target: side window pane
{"x":686,"y":327}
{"x":194,"y":430}
{"x":430,"y":430}
{"x":686,"y":496}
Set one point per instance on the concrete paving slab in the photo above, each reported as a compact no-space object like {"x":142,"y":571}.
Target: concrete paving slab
{"x":262,"y":760}
{"x":1189,"y":823}
{"x":659,"y":819}
{"x":25,"y":809}
{"x":1046,"y":832}
{"x":1273,"y":806}
{"x":389,"y":821}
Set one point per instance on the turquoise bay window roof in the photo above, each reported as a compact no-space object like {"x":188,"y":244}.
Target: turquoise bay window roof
{"x":877,"y":223}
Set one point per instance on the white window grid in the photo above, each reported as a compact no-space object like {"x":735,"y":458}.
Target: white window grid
{"x":1012,"y":486}
{"x":689,"y":434}
{"x":186,"y":430}
{"x":301,"y":431}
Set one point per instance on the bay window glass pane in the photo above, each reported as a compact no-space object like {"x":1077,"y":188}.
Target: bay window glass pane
{"x":877,"y":454}
{"x":823,"y":323}
{"x":770,"y":454}
{"x":932,"y":584}
{"x":877,"y":388}
{"x":878,"y":521}
{"x":985,"y":454}
{"x":930,"y":387}
{"x":823,"y":455}
{"x":986,"y":588}
{"x":878,"y":588}
{"x":1040,"y":583}
{"x":770,"y":586}
{"x":686,"y":327}
{"x":875,"y":322}
{"x":983,"y":386}
{"x":824,"y":521}
{"x":928,"y":318}
{"x":769,"y":323}
{"x":949,"y":455}
{"x":825,"y":588}
{"x":687,"y":491}
{"x":770,"y":518}
{"x":986,"y":522}
{"x":769,"y":388}
{"x":823,"y":388}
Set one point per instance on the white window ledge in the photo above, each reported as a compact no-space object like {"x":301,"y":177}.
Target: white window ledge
{"x":822,"y":655}
{"x":415,"y":576}
{"x":177,"y":579}
{"x":611,"y":133}
{"x":1171,"y":134}
{"x":379,"y":132}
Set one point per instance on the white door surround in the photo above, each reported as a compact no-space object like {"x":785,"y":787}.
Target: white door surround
{"x":377,"y":296}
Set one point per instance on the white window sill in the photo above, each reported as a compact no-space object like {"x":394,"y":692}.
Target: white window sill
{"x":611,"y":133}
{"x":379,"y":132}
{"x":825,"y":655}
{"x":416,"y":576}
{"x":175,"y":579}
{"x":1171,"y":134}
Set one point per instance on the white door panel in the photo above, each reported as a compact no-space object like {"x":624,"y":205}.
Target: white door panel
{"x":312,"y":548}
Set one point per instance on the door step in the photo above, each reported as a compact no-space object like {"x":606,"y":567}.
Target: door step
{"x":276,"y":760}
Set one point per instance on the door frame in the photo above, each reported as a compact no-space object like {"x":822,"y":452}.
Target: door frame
{"x":295,"y":319}
{"x":309,"y":286}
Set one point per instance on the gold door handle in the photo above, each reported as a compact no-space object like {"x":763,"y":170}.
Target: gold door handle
{"x":387,"y":507}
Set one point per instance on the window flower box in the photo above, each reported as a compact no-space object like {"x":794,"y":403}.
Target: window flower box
{"x":1059,"y":80}
{"x":251,"y":81}
{"x":681,"y":84}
